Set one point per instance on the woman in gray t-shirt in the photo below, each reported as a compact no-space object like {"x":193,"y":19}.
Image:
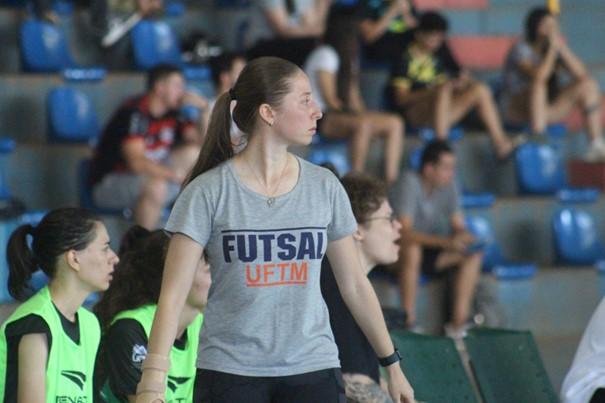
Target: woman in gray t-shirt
{"x":266,"y":219}
{"x":533,"y":92}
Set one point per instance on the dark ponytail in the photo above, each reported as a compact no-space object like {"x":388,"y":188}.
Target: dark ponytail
{"x":59,"y":231}
{"x":138,"y":276}
{"x":264,"y":80}
{"x":21,"y":261}
{"x":217,"y":147}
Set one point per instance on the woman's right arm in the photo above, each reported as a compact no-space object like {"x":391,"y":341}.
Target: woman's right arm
{"x":33,"y":355}
{"x":181,"y":262}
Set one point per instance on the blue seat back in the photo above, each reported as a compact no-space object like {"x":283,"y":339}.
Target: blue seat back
{"x":337,"y":155}
{"x":481,"y":228}
{"x":155,"y":42}
{"x":539,"y":169}
{"x":84,"y":188}
{"x":43,"y":47}
{"x":71,"y":116}
{"x":576,"y":236}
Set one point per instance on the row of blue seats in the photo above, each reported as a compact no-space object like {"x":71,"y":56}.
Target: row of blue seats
{"x":44,"y":47}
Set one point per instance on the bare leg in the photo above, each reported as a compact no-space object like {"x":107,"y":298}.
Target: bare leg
{"x":593,"y":110}
{"x":465,"y":284}
{"x":340,"y":125}
{"x":392,"y":128}
{"x":409,"y":274}
{"x":584,"y":93}
{"x":360,"y":144}
{"x":443,"y":107}
{"x":148,"y":209}
{"x":479,"y":95}
{"x":538,"y":106}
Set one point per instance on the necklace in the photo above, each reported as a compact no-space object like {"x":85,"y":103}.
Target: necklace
{"x":271,"y":198}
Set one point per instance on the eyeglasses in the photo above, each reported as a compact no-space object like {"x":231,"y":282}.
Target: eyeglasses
{"x":392,"y":218}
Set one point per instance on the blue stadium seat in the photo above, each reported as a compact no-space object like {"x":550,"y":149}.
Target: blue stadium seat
{"x":427,"y":134}
{"x":578,"y":195}
{"x":174,"y":8}
{"x":577,"y":240}
{"x":44,"y":47}
{"x":319,"y":139}
{"x":84,"y":74}
{"x":63,"y":7}
{"x":155,"y":42}
{"x":7,"y":146}
{"x":476,"y":200}
{"x":336,"y":154}
{"x":493,"y":260}
{"x":232,"y":3}
{"x":539,"y":169}
{"x":71,"y":116}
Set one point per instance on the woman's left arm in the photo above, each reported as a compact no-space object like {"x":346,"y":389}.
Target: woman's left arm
{"x":358,"y":294}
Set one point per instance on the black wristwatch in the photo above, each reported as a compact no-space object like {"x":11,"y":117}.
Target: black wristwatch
{"x":390,"y":359}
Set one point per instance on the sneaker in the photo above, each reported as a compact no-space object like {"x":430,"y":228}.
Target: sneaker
{"x":118,"y":28}
{"x":596,"y":153}
{"x":515,"y":142}
{"x":456,"y":333}
{"x":415,"y":328}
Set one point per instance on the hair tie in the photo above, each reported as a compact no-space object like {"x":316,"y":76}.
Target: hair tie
{"x":232,"y":94}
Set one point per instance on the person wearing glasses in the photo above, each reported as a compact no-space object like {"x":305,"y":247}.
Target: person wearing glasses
{"x":434,"y":239}
{"x":376,"y":239}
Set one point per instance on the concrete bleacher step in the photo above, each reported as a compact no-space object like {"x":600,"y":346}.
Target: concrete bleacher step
{"x":538,"y":304}
{"x":45,"y":176}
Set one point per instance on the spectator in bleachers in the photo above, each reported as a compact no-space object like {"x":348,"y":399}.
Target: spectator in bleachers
{"x":585,"y":381}
{"x":385,"y":27}
{"x":434,"y":238}
{"x":126,"y":312}
{"x":147,"y":148}
{"x":225,"y":70}
{"x":348,"y":117}
{"x":428,"y":93}
{"x":49,"y":344}
{"x":533,"y":87}
{"x":289,"y":29}
{"x":376,"y":239}
{"x":106,"y":16}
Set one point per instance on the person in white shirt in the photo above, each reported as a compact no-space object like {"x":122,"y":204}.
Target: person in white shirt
{"x":333,"y":70}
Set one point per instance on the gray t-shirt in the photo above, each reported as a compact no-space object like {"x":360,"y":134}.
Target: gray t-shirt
{"x":265,"y":314}
{"x":259,"y":26}
{"x":515,"y":80}
{"x":431,"y":213}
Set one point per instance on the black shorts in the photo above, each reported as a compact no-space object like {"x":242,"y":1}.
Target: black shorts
{"x":318,"y":386}
{"x":428,"y":267}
